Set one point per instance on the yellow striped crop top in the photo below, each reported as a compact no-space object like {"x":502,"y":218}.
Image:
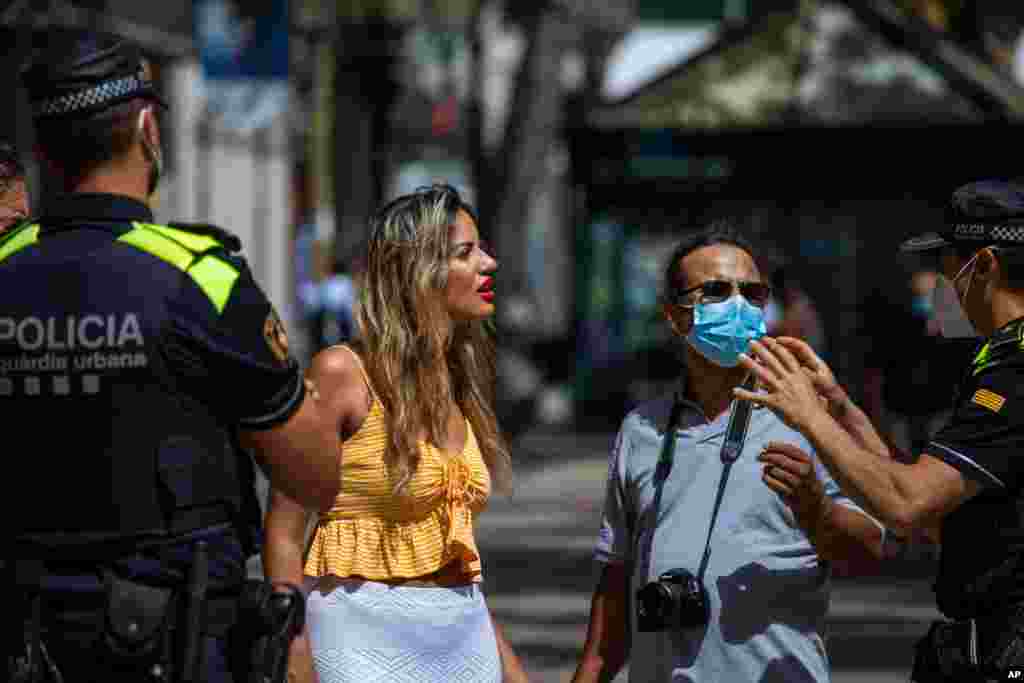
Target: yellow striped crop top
{"x":375,"y":534}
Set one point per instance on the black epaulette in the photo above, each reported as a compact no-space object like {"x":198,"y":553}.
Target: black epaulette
{"x":229,"y":239}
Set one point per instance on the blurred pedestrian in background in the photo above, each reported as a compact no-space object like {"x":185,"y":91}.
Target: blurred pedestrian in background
{"x":908,"y":374}
{"x":791,"y":311}
{"x":335,"y":315}
{"x":393,"y":568}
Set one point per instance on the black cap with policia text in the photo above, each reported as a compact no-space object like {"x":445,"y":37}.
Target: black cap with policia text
{"x":987,"y":212}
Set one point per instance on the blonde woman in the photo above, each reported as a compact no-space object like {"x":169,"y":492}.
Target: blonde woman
{"x":393,"y":569}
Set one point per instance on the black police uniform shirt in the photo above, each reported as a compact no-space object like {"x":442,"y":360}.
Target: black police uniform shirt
{"x":228,"y":361}
{"x":981,"y":567}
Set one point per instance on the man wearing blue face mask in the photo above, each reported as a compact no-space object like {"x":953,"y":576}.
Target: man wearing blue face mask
{"x":691,"y":520}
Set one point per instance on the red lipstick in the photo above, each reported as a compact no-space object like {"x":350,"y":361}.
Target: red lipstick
{"x":486,"y":290}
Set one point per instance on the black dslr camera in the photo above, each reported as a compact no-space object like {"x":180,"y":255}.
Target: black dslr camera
{"x":677,"y":599}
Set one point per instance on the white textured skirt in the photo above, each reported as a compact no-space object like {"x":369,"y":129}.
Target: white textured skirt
{"x":365,"y":632}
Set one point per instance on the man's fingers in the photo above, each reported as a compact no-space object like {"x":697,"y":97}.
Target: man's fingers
{"x":782,"y":476}
{"x":788,"y":449}
{"x":796,"y":467}
{"x":779,"y":487}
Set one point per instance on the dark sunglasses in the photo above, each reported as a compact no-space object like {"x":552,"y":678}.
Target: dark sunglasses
{"x":715,"y":291}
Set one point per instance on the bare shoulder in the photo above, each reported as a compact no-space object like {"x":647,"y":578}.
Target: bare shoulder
{"x":335,"y":363}
{"x":339,"y":379}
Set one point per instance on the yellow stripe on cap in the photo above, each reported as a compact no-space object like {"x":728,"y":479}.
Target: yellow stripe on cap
{"x":988,"y":399}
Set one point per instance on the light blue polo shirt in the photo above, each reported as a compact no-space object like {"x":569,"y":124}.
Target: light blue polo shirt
{"x":768,"y":590}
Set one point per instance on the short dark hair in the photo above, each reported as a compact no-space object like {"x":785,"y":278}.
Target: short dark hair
{"x":11,"y":167}
{"x":722,"y":231}
{"x":80,"y":145}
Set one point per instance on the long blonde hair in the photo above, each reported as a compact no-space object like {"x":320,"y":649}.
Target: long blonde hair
{"x":418,"y":359}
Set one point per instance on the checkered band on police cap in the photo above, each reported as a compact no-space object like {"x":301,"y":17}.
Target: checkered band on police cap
{"x":92,"y":98}
{"x":985,"y":212}
{"x":77,"y":73}
{"x":1007,"y":233}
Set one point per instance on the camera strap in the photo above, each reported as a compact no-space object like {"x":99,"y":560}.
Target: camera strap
{"x":732,"y":446}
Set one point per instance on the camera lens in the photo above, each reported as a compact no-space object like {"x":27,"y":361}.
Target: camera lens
{"x":655,"y":601}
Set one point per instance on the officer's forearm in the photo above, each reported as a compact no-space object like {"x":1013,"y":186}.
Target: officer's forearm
{"x":856,"y":423}
{"x":847,"y":537}
{"x":862,"y":475}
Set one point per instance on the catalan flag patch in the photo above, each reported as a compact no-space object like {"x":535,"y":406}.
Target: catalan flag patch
{"x":988,"y":399}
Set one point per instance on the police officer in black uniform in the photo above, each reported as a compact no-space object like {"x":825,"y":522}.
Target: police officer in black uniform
{"x":966,"y":489}
{"x":141,"y":365}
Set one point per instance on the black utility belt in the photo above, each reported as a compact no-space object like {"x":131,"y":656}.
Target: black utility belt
{"x":158,"y":632}
{"x":972,"y":650}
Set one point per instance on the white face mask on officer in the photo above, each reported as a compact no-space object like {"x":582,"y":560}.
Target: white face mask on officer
{"x":949,"y":308}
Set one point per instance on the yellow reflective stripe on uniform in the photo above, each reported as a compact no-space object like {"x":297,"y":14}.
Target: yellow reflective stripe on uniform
{"x":189,"y":240}
{"x":159,"y":246}
{"x":981,"y":360}
{"x":19,"y":240}
{"x":216,"y":277}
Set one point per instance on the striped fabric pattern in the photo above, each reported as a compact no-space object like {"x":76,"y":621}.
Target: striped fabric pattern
{"x":989,"y":399}
{"x":373,"y":533}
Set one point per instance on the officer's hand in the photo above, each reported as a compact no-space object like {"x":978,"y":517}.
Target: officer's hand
{"x":819,"y":372}
{"x":788,"y":390}
{"x":789,"y":471}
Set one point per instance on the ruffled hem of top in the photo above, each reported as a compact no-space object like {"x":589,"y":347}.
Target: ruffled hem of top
{"x":380,"y":549}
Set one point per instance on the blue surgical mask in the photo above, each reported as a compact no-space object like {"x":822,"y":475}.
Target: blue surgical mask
{"x":922,"y":306}
{"x":722,"y":331}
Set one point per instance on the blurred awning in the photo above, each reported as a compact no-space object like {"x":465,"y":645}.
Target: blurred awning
{"x":160,"y":28}
{"x":840,"y":63}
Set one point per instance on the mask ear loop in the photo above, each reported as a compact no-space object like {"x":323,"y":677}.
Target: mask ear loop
{"x":155,"y":157}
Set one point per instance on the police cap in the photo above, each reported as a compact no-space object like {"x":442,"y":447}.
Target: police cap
{"x":80,"y":73}
{"x":987,"y":212}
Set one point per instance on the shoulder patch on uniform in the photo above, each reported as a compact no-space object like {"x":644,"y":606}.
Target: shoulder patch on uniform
{"x":988,"y":399}
{"x":276,"y":336}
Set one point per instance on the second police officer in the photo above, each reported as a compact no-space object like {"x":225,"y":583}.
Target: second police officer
{"x":139,"y":362}
{"x":965,"y":489}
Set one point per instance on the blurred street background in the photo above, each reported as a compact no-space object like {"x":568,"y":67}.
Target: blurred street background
{"x":592,"y":135}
